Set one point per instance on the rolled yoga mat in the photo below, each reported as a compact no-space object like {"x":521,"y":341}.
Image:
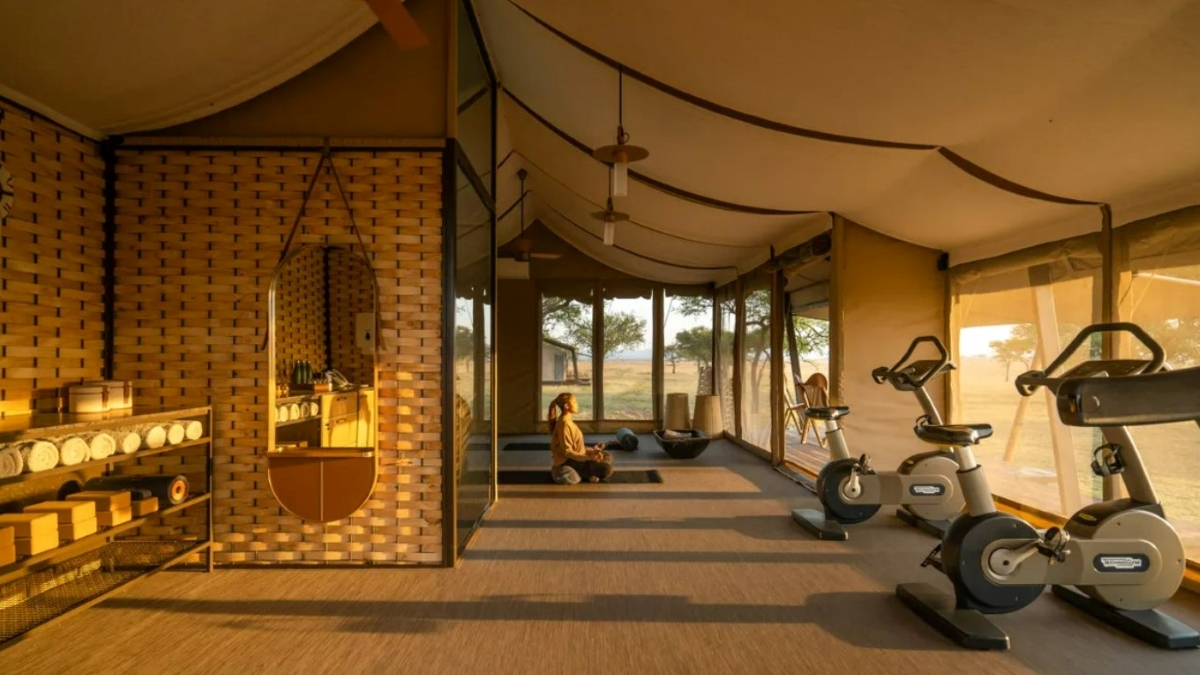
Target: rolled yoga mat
{"x":626,"y":439}
{"x":38,"y":455}
{"x":168,"y":489}
{"x":72,"y":450}
{"x":175,"y":432}
{"x":102,"y":445}
{"x":192,"y":429}
{"x":11,"y":463}
{"x":128,"y":441}
{"x":153,"y":435}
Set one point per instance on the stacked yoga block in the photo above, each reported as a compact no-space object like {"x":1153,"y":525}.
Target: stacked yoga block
{"x":8,"y":545}
{"x":34,"y":533}
{"x":76,"y":519}
{"x":112,"y":507}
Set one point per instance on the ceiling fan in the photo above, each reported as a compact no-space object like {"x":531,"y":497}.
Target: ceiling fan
{"x":521,"y":248}
{"x":399,"y":23}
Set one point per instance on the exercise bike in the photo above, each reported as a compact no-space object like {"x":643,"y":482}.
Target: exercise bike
{"x":924,"y":486}
{"x":1121,"y":556}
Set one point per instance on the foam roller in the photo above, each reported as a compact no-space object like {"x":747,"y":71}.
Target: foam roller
{"x":168,"y":489}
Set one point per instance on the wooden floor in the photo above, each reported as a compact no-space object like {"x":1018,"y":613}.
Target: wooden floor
{"x":705,"y":573}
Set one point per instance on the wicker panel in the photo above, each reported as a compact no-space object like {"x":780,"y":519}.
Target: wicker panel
{"x":199,"y":234}
{"x":351,"y":294}
{"x":300,"y":310}
{"x":51,"y":262}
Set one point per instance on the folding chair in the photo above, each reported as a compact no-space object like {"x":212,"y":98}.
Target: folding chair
{"x":813,"y":392}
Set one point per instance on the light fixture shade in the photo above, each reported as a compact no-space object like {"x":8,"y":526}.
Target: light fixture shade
{"x":619,"y":179}
{"x":610,"y":232}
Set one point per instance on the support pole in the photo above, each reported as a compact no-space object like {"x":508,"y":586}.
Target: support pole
{"x":1048,"y":348}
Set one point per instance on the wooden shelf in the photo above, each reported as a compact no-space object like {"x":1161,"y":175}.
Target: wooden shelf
{"x":30,"y":564}
{"x":111,"y":459}
{"x":43,"y":424}
{"x":314,"y":418}
{"x":323,"y":453}
{"x":80,"y":573}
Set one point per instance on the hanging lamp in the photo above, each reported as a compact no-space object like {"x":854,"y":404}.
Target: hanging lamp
{"x":610,"y":218}
{"x":618,"y":156}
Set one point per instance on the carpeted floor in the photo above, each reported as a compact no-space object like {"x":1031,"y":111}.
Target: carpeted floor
{"x":705,"y":573}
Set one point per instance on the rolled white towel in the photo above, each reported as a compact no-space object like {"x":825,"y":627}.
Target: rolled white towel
{"x":294,"y":411}
{"x":102,"y":445}
{"x":11,"y":463}
{"x":175,"y":433}
{"x":192,"y":429}
{"x":128,"y":440}
{"x":313,"y":409}
{"x":283,"y":414}
{"x":72,"y":450}
{"x":38,"y":455}
{"x":153,"y":435}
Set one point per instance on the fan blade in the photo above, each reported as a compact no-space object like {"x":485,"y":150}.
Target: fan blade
{"x":399,"y":23}
{"x":546,"y":256}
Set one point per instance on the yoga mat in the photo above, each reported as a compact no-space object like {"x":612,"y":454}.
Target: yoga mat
{"x":11,"y":462}
{"x":128,"y":440}
{"x":72,"y":450}
{"x":102,"y":445}
{"x":38,"y":455}
{"x":542,"y":477}
{"x":545,"y":445}
{"x":168,"y":489}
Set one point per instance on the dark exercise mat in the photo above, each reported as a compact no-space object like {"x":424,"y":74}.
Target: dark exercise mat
{"x":542,"y":477}
{"x":545,"y":445}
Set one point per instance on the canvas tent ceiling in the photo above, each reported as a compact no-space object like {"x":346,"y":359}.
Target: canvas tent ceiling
{"x":976,"y":128}
{"x":127,"y":65}
{"x":967,"y":127}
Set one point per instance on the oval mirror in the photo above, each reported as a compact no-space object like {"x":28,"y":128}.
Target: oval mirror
{"x":321,"y":394}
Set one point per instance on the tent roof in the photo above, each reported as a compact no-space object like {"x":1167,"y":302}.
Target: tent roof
{"x":975,"y":128}
{"x":128,"y":65}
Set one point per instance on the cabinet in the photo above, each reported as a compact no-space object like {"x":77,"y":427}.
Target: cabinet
{"x":39,"y":588}
{"x":339,"y":420}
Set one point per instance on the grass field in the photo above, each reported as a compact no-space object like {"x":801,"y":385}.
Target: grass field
{"x":1171,"y":452}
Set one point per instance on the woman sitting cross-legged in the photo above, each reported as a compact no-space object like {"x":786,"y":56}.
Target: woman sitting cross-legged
{"x":574,"y":461}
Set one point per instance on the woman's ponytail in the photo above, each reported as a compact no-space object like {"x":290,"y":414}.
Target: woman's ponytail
{"x":557,"y":407}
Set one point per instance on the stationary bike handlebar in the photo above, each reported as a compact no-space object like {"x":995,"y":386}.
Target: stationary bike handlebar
{"x":1028,"y":382}
{"x":899,"y":375}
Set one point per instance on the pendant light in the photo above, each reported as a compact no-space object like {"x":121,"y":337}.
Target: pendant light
{"x":610,"y":218}
{"x":618,"y":156}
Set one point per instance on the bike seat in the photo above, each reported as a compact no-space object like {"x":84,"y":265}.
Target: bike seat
{"x":827,"y":413}
{"x":953,"y":434}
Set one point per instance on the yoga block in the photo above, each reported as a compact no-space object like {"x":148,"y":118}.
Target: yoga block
{"x":67,"y":512}
{"x":74,"y":531}
{"x":104,"y":500}
{"x":8,"y":555}
{"x":7,"y":535}
{"x":116,"y":517}
{"x":145,"y":507}
{"x":37,"y":544}
{"x":31,"y":525}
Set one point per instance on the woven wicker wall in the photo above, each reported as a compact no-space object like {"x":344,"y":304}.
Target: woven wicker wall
{"x":300,"y":313}
{"x":199,"y":234}
{"x":51,"y":261}
{"x":349,"y":295}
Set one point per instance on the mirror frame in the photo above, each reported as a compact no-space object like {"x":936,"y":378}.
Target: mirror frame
{"x":321,"y":453}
